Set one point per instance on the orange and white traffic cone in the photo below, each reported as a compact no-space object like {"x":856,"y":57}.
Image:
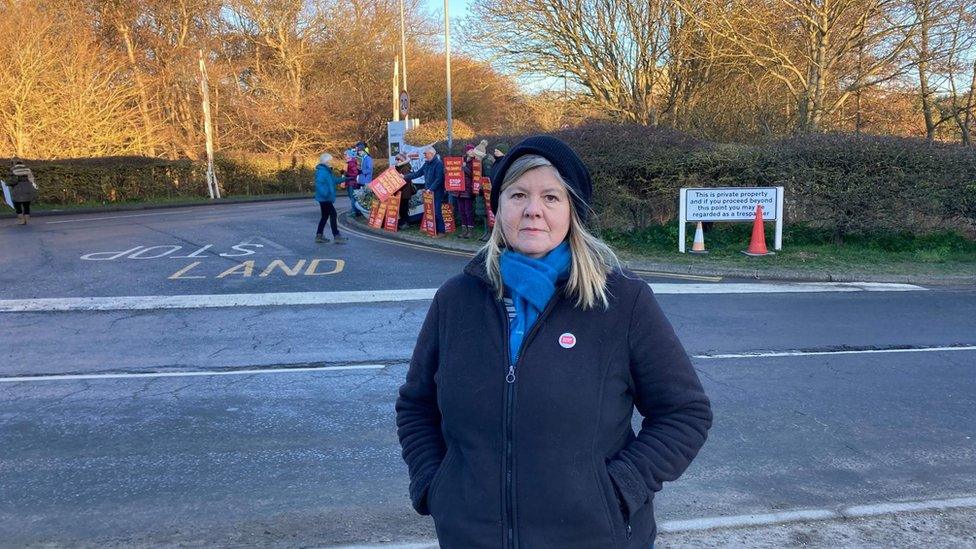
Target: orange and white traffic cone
{"x":698,"y":246}
{"x":757,"y":246}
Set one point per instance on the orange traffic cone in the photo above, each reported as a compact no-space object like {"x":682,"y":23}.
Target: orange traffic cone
{"x":757,"y":246}
{"x":698,"y":246}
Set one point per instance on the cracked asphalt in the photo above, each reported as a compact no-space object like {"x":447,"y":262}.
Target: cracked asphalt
{"x":311,"y":459}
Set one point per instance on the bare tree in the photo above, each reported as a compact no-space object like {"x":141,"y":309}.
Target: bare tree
{"x":812,"y":46}
{"x":620,"y":52}
{"x":59,"y":92}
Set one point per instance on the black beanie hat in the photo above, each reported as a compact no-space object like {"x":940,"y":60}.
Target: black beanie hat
{"x":563,"y":158}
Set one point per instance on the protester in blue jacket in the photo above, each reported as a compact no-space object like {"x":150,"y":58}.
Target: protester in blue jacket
{"x":433,"y":173}
{"x":325,"y":195}
{"x":366,"y":169}
{"x":516,"y":415}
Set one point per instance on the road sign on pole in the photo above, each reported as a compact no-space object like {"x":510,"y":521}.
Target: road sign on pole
{"x":404,"y":104}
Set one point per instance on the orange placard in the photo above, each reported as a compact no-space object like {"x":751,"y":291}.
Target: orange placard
{"x":392,"y":213}
{"x":476,"y":176}
{"x":485,"y":184}
{"x":448,"y":214}
{"x":454,"y":174}
{"x":429,"y":224}
{"x":386,"y":184}
{"x":376,"y":214}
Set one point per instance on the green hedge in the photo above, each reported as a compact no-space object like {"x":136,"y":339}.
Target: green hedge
{"x":118,"y":179}
{"x":841,"y":183}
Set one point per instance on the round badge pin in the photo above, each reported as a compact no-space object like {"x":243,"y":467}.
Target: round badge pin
{"x":567,"y":341}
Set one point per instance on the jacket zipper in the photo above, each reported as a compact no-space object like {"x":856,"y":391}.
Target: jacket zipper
{"x":511,"y":539}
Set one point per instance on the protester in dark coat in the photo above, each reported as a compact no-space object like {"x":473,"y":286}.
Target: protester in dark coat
{"x":497,"y":154}
{"x":465,"y":198}
{"x":406,"y":192}
{"x":518,"y":434}
{"x":325,"y":195}
{"x":23,"y":190}
{"x":433,"y":173}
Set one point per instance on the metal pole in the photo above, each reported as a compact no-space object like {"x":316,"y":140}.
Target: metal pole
{"x":447,"y":50}
{"x":403,"y":45}
{"x":396,"y":90}
{"x":208,"y":130}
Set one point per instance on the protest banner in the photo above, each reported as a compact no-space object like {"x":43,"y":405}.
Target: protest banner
{"x":392,"y":213}
{"x":428,"y":224}
{"x":476,"y":175}
{"x":387,"y":183}
{"x":448,"y":212}
{"x":454,"y":174}
{"x":486,"y":191}
{"x":376,"y":214}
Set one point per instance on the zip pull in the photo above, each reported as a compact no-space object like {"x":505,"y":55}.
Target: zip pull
{"x":511,"y":375}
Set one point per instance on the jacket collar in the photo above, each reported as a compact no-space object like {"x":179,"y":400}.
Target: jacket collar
{"x":478,"y":268}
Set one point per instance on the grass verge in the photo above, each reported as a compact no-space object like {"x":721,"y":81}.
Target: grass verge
{"x":808,"y":249}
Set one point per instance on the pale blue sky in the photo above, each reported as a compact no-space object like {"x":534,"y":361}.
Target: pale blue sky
{"x":457,"y":6}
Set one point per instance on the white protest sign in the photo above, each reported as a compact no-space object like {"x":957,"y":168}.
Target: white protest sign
{"x":730,"y":204}
{"x":6,"y":194}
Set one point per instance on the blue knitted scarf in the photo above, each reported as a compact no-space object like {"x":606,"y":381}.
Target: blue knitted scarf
{"x":531,"y":283}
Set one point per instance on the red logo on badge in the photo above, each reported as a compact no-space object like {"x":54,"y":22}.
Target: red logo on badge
{"x":567,"y":341}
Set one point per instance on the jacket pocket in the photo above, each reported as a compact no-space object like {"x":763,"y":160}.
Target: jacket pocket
{"x":435,"y":482}
{"x":620,"y":519}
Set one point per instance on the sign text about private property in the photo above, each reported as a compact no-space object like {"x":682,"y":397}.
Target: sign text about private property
{"x":731,"y":204}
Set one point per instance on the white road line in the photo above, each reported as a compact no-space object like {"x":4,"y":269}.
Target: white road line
{"x":782,"y":288}
{"x":747,"y":520}
{"x":203,"y":301}
{"x":907,"y":507}
{"x":152,"y":302}
{"x":852,"y":352}
{"x":112,"y":217}
{"x":768,"y":519}
{"x":72,"y":377}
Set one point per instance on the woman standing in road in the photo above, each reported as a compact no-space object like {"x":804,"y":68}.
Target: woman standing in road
{"x":325,"y":195}
{"x":530,"y":445}
{"x":23,"y":190}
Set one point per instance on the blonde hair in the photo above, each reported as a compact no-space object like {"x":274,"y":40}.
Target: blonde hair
{"x":592,"y":259}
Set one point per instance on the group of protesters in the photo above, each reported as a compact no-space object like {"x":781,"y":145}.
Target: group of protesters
{"x":466,"y":204}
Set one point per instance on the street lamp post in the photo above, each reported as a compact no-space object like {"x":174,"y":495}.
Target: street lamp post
{"x":447,"y":50}
{"x":403,"y":46}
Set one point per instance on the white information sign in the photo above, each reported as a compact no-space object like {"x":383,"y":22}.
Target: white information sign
{"x":394,"y":138}
{"x":730,"y":204}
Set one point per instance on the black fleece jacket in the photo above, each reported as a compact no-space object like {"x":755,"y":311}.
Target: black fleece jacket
{"x":547,"y":457}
